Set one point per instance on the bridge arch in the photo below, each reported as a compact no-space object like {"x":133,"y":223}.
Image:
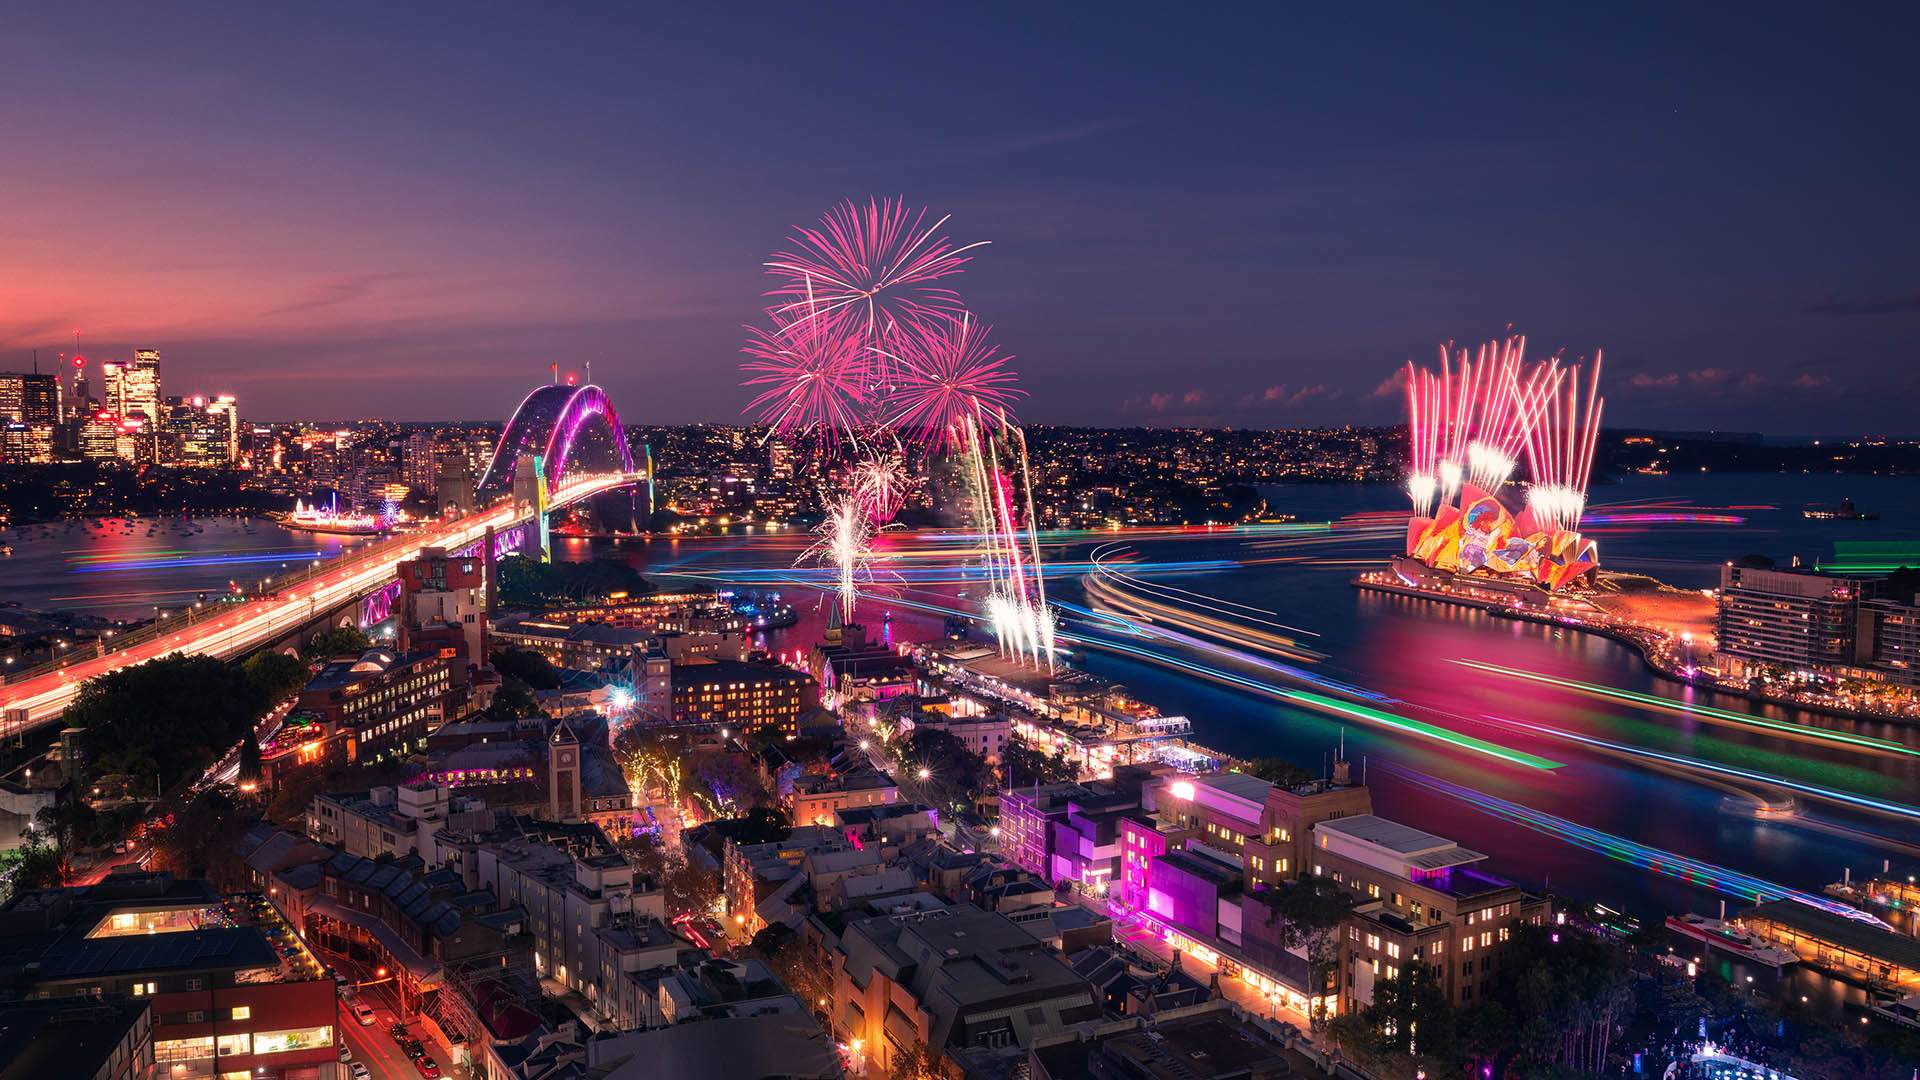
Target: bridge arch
{"x":566,"y":426}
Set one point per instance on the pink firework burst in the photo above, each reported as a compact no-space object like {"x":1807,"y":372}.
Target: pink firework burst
{"x":882,"y":484}
{"x":817,"y":378}
{"x":868,"y":267}
{"x":946,"y":373}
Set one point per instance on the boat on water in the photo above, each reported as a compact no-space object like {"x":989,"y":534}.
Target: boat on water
{"x":1731,"y":938}
{"x":330,"y":519}
{"x":1902,"y":1011}
{"x":1846,"y":511}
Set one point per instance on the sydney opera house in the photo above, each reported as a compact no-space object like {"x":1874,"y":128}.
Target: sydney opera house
{"x":1470,"y":425}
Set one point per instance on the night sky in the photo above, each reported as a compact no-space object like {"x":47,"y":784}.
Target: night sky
{"x":1251,"y":220}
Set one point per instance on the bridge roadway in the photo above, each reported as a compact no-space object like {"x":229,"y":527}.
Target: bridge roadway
{"x":235,"y":629}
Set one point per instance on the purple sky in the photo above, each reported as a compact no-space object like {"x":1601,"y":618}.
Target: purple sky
{"x":1248,"y":220}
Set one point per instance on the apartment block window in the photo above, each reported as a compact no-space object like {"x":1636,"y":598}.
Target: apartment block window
{"x":1393,"y":949}
{"x":1373,"y":941}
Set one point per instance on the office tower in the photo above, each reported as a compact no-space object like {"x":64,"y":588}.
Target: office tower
{"x":420,"y":468}
{"x":132,"y":388}
{"x":29,"y":398}
{"x":224,"y":412}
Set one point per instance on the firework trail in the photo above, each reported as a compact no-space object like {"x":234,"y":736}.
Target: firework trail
{"x":945,"y":374}
{"x":816,"y":378}
{"x":882,"y":483}
{"x":868,"y":269}
{"x":866,"y":349}
{"x":1560,"y":437}
{"x":845,"y":542}
{"x":1016,"y":604}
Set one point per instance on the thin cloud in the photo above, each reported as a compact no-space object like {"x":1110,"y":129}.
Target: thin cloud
{"x":344,"y":289}
{"x":1884,"y":305}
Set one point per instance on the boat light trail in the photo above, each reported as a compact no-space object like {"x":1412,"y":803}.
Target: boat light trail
{"x":1651,"y":701}
{"x":1878,"y":806}
{"x":206,"y":560}
{"x":1673,"y":865}
{"x":1321,"y":703}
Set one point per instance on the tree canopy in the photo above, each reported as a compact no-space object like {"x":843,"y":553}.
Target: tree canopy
{"x":1023,"y":763}
{"x":276,"y":674}
{"x":532,"y":583}
{"x":337,"y":641}
{"x":169,"y":718}
{"x":528,"y":666}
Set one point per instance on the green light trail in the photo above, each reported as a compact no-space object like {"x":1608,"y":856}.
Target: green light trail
{"x":1634,"y":697}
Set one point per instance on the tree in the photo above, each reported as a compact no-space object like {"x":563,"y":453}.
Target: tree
{"x":527,"y":666}
{"x":249,"y":759}
{"x":337,"y":641}
{"x":199,"y":842}
{"x":1309,"y":910}
{"x":1022,"y":763}
{"x":786,"y":956}
{"x":1278,"y":771}
{"x":32,"y":865}
{"x":277,"y":675}
{"x":514,"y":701}
{"x":954,"y":773}
{"x":531,"y":583}
{"x":763,"y":825}
{"x":166,"y":719}
{"x":1570,"y":991}
{"x":913,"y":1063}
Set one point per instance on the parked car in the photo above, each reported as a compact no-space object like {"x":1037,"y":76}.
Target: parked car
{"x":358,"y":1070}
{"x":398,"y":1030}
{"x":361,"y":1013}
{"x":428,"y":1067}
{"x":346,"y":1054}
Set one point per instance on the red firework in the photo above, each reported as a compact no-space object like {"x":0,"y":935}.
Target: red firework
{"x":818,"y":379}
{"x":947,"y":372}
{"x":869,"y":268}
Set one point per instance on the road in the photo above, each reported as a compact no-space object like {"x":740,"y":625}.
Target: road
{"x":372,"y":1044}
{"x":232,"y":629}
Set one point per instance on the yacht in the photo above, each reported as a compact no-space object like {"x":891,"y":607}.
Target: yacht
{"x":1732,"y":938}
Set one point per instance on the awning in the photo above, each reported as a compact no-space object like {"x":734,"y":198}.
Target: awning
{"x":425,"y":971}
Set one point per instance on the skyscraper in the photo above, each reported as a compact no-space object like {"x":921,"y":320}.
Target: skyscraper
{"x":132,"y":389}
{"x":29,"y":398}
{"x":420,"y":466}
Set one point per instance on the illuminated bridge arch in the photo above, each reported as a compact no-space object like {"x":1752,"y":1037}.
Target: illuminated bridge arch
{"x":567,"y":427}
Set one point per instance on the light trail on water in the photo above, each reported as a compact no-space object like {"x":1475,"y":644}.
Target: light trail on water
{"x":1634,"y":697}
{"x":1645,"y":856}
{"x":1877,"y":806}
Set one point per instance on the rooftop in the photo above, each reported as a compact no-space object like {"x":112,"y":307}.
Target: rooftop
{"x":1419,"y":849}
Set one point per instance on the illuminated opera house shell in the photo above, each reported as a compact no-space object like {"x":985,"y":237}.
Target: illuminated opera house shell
{"x":1487,"y":538}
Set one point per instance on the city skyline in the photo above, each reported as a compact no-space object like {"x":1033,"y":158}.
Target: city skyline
{"x":1230,"y":229}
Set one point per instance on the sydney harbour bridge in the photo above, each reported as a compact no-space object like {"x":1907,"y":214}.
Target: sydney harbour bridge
{"x":564,"y":445}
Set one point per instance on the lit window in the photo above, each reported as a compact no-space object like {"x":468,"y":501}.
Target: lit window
{"x":243,"y":1012}
{"x":280,"y":1042}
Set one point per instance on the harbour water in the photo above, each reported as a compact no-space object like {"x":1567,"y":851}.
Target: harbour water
{"x":1680,"y":529}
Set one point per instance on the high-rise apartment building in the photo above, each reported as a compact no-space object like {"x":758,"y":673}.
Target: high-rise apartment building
{"x":418,"y":466}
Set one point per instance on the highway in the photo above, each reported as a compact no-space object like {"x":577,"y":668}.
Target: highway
{"x":232,"y":629}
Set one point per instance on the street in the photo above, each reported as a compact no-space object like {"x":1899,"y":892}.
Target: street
{"x":373,"y":1044}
